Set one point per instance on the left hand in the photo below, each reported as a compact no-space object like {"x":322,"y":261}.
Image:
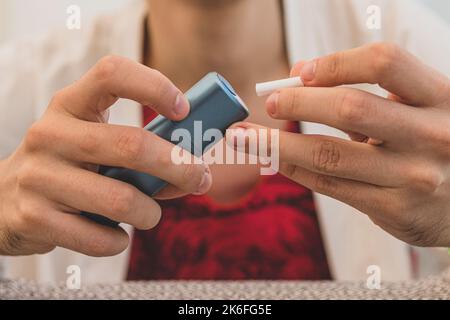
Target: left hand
{"x":397,"y":168}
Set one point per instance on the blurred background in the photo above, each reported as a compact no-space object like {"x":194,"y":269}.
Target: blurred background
{"x":27,"y":18}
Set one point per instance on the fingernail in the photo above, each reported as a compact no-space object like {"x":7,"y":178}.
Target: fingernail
{"x":181,"y":105}
{"x":308,"y":71}
{"x":375,"y":142}
{"x":272,"y":103}
{"x":295,"y":71}
{"x":205,"y":184}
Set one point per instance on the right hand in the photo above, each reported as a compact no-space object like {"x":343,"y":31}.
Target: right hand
{"x":52,"y":176}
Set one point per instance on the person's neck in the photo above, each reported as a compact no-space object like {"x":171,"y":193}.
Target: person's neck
{"x":242,"y":39}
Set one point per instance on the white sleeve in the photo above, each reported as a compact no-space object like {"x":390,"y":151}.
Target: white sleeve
{"x":18,"y":84}
{"x":424,"y":33}
{"x":411,"y":25}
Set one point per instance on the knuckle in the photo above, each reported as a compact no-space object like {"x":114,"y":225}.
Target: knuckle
{"x":131,"y":145}
{"x":59,"y":97}
{"x":107,"y":66}
{"x":122,"y":200}
{"x":29,"y":216}
{"x":326,"y":156}
{"x":36,"y":137}
{"x":351,"y":107}
{"x":385,"y":56}
{"x":27,"y":175}
{"x":427,"y":180}
{"x":334,"y":66}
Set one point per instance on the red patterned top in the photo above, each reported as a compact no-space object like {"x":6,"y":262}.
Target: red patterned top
{"x":272,"y":233}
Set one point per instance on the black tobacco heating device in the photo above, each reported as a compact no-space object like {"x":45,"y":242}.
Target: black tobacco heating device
{"x":214,"y":102}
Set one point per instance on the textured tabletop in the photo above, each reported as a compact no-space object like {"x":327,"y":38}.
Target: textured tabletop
{"x":431,"y":288}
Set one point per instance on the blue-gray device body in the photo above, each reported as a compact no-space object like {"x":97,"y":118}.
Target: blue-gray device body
{"x":214,"y":105}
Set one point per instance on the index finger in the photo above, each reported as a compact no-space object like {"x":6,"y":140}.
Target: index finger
{"x":115,"y":77}
{"x":385,"y":64}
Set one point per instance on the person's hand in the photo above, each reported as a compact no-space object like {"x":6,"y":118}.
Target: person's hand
{"x":52,"y":176}
{"x":397,"y":168}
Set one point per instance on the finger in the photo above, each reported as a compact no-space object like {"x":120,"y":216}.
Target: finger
{"x":359,"y":195}
{"x":170,"y":192}
{"x":125,"y":147}
{"x":348,"y":110}
{"x":385,"y":64}
{"x":116,"y":77}
{"x":87,"y":191}
{"x":76,"y":233}
{"x":295,"y":71}
{"x":333,"y":157}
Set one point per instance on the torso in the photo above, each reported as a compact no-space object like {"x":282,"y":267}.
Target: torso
{"x":247,"y":227}
{"x":269,"y":231}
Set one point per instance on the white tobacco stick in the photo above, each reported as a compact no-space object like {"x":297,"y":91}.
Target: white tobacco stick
{"x":266,"y":88}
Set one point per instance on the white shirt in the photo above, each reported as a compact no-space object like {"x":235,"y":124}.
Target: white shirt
{"x":31,"y":72}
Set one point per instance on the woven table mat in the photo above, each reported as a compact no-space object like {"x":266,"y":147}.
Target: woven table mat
{"x":431,"y":288}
